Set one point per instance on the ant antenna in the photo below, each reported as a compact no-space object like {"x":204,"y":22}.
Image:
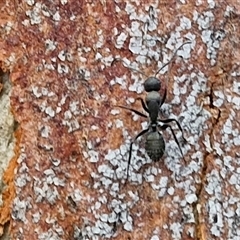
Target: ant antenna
{"x":173,"y":56}
{"x":127,"y":66}
{"x":136,"y":70}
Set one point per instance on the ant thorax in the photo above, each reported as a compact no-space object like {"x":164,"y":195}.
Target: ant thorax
{"x":153,"y":102}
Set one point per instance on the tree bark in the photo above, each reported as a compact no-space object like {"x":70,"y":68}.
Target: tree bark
{"x":71,"y":64}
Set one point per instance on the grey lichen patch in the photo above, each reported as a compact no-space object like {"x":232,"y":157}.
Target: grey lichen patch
{"x":7,"y":126}
{"x":210,"y":37}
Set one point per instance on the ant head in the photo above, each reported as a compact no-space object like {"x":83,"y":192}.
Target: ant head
{"x":152,"y":84}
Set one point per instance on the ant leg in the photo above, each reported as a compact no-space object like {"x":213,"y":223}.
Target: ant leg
{"x":164,"y":127}
{"x":133,"y":110}
{"x":164,"y":97}
{"x":143,"y":104}
{"x":130,"y":149}
{"x":173,"y":120}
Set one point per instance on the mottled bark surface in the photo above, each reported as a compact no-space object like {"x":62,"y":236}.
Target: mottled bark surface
{"x":70,"y":65}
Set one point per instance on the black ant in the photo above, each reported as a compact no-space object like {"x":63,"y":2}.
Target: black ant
{"x":154,"y":142}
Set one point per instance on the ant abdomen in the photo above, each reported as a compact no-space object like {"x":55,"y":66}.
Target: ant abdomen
{"x":154,"y":145}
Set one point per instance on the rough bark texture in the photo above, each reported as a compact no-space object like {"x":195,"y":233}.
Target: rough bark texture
{"x":70,"y":65}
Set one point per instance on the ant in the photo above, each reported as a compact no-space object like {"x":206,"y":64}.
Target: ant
{"x":154,"y":142}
